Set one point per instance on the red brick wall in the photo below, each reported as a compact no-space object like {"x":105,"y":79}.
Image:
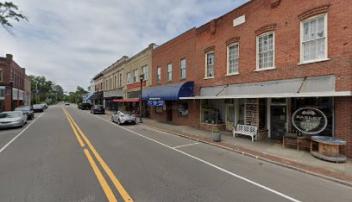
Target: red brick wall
{"x":343,"y":121}
{"x":192,"y":119}
{"x":183,"y":46}
{"x":287,"y":39}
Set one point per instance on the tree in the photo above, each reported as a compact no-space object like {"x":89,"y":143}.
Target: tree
{"x":9,"y":11}
{"x":77,"y":96}
{"x":44,"y":90}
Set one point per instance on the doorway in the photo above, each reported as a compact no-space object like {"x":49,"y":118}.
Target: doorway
{"x":168,"y":111}
{"x":278,"y":118}
{"x":230,"y":114}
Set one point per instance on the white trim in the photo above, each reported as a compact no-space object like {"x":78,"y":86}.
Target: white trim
{"x":301,"y":58}
{"x":314,"y":61}
{"x":206,"y":65}
{"x":257,"y":51}
{"x":264,"y":69}
{"x":278,"y":95}
{"x":169,"y":65}
{"x":233,"y":74}
{"x":227,"y":58}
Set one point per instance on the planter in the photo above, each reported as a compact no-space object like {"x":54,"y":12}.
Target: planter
{"x":216,"y":135}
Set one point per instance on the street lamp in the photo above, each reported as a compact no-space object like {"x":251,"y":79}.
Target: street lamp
{"x":141,"y":78}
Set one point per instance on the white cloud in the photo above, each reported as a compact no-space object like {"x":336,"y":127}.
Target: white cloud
{"x":71,"y":41}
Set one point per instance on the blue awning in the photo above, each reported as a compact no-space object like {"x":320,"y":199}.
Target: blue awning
{"x":169,"y":92}
{"x":88,"y":97}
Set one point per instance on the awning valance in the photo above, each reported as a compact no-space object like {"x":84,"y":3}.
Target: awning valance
{"x":322,"y":86}
{"x":126,"y":100}
{"x":169,"y":92}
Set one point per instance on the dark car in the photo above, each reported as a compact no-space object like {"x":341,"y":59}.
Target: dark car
{"x":38,"y":108}
{"x":27,"y":110}
{"x":84,"y":106}
{"x":97,"y":109}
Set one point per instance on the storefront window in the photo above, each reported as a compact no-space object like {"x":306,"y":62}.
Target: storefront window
{"x":212,"y":111}
{"x":325,"y":105}
{"x":241,"y":111}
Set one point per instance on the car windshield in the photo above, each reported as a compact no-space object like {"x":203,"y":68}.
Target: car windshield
{"x":10,"y":114}
{"x":126,"y":113}
{"x":22,"y":108}
{"x":37,"y":106}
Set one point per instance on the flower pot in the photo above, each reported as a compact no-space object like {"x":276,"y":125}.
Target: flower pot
{"x":216,"y":135}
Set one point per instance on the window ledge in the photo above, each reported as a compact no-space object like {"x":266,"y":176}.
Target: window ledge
{"x":265,"y":69}
{"x":233,"y":74}
{"x":314,"y":61}
{"x":208,"y":78}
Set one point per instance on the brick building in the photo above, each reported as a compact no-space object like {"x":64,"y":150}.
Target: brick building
{"x":281,"y":65}
{"x":12,"y":84}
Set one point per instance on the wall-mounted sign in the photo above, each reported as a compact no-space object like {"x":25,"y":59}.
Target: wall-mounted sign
{"x":155,"y":103}
{"x":309,"y":120}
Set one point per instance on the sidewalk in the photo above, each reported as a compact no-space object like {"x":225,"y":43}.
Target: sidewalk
{"x":298,"y":160}
{"x":301,"y":161}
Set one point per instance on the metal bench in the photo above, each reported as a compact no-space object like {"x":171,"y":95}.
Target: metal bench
{"x":245,"y":130}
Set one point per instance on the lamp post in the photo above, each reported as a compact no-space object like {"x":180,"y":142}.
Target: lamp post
{"x":11,"y":94}
{"x":141,"y":78}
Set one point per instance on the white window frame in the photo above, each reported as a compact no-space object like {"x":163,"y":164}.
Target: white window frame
{"x":301,"y":56}
{"x":129,"y":78}
{"x":145,"y":72}
{"x":206,"y":65}
{"x":228,"y":73}
{"x":158,"y":74}
{"x":169,"y":72}
{"x":183,"y":68}
{"x":257,"y":51}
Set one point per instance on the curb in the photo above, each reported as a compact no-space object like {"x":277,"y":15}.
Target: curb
{"x":247,"y":153}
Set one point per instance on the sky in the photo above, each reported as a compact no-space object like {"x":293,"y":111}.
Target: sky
{"x":70,"y":41}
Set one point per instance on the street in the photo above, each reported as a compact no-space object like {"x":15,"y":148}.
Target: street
{"x":66,"y":154}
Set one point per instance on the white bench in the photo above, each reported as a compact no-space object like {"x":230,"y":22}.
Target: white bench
{"x":245,"y":130}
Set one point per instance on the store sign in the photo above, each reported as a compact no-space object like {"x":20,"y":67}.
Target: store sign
{"x":309,"y":120}
{"x":155,"y":103}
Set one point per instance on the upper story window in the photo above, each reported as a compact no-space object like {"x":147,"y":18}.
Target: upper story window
{"x":129,"y":78}
{"x":169,"y":72}
{"x":158,"y":74}
{"x":183,"y":68}
{"x":232,"y":58}
{"x":145,"y":72}
{"x":266,"y":51}
{"x":135,"y":76}
{"x":120,"y":79}
{"x":209,"y":64}
{"x":1,"y":75}
{"x":314,"y":39}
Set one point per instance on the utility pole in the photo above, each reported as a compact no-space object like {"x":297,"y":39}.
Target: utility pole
{"x":141,"y":78}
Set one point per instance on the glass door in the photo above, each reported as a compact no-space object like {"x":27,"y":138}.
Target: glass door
{"x":278,"y":122}
{"x":230,"y":114}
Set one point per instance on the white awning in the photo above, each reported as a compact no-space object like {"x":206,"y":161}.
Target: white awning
{"x":323,"y":86}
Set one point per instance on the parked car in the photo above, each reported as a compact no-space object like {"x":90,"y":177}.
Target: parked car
{"x":27,"y":110}
{"x":67,"y":103}
{"x":84,"y":106}
{"x":45,"y":106}
{"x":12,"y":119}
{"x":120,"y":117}
{"x":38,"y":108}
{"x":97,"y":109}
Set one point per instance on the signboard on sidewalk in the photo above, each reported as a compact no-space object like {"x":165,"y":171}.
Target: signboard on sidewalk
{"x":309,"y":120}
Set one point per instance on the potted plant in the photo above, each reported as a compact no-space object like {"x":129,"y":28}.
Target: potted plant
{"x":216,"y":135}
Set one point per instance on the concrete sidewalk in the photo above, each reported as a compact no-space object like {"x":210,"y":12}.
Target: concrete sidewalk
{"x":265,"y":150}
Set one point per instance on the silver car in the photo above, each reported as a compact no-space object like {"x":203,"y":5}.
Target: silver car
{"x":12,"y":119}
{"x":123,"y":117}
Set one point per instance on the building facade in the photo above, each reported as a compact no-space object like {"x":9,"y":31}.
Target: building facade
{"x":264,"y":66}
{"x":12,"y":84}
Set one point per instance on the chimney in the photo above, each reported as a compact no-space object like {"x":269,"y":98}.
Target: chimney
{"x":9,"y":57}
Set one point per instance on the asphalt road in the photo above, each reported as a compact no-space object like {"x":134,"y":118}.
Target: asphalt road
{"x":70,"y":155}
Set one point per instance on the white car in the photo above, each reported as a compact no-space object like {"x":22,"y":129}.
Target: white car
{"x":12,"y":119}
{"x":120,"y":117}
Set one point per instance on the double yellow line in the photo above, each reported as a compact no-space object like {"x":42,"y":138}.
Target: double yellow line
{"x":83,"y":141}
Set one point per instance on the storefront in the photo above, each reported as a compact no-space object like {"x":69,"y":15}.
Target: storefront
{"x":300,"y":106}
{"x":109,"y":96}
{"x":164,"y":103}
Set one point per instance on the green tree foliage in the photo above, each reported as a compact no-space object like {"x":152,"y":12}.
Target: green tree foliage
{"x":76,"y":97}
{"x":9,"y":11}
{"x":44,"y":90}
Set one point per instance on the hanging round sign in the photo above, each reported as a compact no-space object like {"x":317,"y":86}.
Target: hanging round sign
{"x":309,"y":120}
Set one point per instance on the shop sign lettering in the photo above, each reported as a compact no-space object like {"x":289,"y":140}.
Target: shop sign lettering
{"x":309,"y":120}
